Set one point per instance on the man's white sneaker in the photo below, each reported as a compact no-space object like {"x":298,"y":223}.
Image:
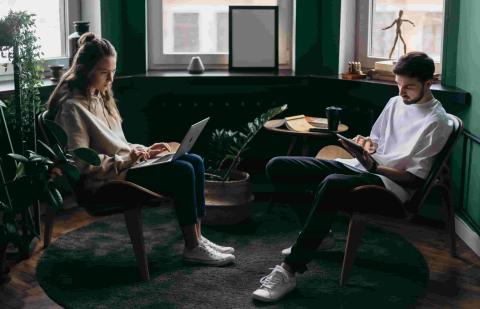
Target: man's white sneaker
{"x":218,"y":248}
{"x":203,"y":254}
{"x":327,"y":243}
{"x":276,"y":285}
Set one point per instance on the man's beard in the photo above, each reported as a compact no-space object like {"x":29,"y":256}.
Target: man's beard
{"x":417,"y":99}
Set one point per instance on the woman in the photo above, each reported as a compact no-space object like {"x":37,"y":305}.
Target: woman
{"x":83,"y":104}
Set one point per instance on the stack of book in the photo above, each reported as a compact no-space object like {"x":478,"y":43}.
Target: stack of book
{"x":302,"y":123}
{"x":298,"y":123}
{"x":384,"y":71}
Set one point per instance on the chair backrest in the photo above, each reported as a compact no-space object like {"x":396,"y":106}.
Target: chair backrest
{"x":418,"y":198}
{"x":43,"y":134}
{"x":46,"y":136}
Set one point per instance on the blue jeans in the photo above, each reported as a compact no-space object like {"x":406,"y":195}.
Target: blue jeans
{"x":182,"y":179}
{"x":331,"y":181}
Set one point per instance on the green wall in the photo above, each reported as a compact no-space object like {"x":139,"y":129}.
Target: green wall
{"x":123,"y":23}
{"x":466,"y":77}
{"x":317,"y":37}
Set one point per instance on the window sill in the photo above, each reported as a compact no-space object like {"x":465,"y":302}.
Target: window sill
{"x":452,"y":94}
{"x":7,"y":88}
{"x":460,"y":96}
{"x":216,"y":73}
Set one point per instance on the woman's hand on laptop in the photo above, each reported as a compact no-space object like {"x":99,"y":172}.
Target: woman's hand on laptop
{"x":174,"y":146}
{"x":158,"y":148}
{"x":139,"y":154}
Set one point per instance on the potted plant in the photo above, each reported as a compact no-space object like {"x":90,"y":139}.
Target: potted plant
{"x":227,"y":190}
{"x":42,"y":176}
{"x":19,"y":42}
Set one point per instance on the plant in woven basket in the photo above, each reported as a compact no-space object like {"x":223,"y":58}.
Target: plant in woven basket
{"x":227,"y":146}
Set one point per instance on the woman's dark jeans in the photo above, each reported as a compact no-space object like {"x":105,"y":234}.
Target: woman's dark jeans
{"x":182,"y":179}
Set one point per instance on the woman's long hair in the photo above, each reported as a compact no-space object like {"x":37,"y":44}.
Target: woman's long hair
{"x":76,"y":81}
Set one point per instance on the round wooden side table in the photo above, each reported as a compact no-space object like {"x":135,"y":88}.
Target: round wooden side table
{"x":278,"y":126}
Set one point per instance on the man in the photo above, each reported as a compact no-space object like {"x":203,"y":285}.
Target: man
{"x":398,"y":154}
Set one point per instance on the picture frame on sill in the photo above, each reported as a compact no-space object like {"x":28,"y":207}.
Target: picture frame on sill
{"x":253,"y":38}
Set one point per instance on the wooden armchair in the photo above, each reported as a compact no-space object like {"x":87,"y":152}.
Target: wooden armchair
{"x":387,"y":204}
{"x":113,"y":197}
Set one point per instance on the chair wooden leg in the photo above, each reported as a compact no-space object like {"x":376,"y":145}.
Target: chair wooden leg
{"x":355,"y":230}
{"x":450,"y":219}
{"x":134,"y":223}
{"x":48,"y":228}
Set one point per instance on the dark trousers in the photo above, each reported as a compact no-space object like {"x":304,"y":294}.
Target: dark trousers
{"x":331,"y":182}
{"x":182,"y":179}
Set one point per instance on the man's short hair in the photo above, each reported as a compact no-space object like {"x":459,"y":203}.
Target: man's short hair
{"x":415,"y":64}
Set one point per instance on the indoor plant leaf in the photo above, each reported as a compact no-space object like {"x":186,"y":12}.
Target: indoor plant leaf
{"x":18,"y":157}
{"x":88,"y":155}
{"x":71,"y":171}
{"x":47,"y":148}
{"x":58,"y":132}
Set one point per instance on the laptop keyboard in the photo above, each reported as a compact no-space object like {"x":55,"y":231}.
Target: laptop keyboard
{"x":165,"y":157}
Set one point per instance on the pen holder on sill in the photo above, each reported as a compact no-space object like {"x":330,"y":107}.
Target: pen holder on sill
{"x":354,"y":71}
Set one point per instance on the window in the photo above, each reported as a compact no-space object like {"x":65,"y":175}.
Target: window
{"x":180,"y":29}
{"x":51,"y":25}
{"x":375,"y":44}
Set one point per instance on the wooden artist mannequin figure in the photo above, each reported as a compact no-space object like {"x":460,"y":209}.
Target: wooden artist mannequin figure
{"x":398,"y":22}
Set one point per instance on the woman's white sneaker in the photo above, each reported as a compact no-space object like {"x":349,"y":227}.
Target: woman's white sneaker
{"x":276,"y":285}
{"x":205,"y":255}
{"x":214,"y":246}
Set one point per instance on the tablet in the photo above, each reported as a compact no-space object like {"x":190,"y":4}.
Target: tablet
{"x":354,"y":147}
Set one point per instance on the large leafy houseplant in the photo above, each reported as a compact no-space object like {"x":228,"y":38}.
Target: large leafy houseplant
{"x":39,"y":177}
{"x":227,"y":146}
{"x":18,"y":41}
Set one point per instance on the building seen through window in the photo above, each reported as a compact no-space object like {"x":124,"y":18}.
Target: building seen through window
{"x":426,"y":35}
{"x":199,"y":26}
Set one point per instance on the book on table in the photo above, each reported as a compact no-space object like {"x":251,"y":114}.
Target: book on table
{"x":302,"y":123}
{"x":298,"y":123}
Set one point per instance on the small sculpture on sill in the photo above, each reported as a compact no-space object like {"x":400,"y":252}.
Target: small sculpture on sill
{"x":398,"y":32}
{"x":354,"y":71}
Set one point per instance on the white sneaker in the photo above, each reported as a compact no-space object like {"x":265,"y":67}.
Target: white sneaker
{"x":218,"y":248}
{"x":326,"y":244}
{"x":203,"y":254}
{"x":276,"y":285}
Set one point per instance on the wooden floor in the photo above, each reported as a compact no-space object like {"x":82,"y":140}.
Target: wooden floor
{"x":454,"y":282}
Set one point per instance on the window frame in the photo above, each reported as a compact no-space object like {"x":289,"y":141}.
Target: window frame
{"x":364,"y":17}
{"x":157,"y":60}
{"x":69,"y":10}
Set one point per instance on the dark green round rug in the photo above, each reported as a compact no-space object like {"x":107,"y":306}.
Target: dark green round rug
{"x":94,"y":267}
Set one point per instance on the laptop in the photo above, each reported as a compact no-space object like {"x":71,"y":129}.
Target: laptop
{"x":185,"y":146}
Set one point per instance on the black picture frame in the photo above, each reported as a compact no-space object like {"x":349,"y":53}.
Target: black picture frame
{"x":251,"y":46}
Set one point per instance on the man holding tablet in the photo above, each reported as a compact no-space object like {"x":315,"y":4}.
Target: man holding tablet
{"x":398,"y":154}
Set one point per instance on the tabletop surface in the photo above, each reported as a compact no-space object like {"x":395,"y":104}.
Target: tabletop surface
{"x":278,"y":125}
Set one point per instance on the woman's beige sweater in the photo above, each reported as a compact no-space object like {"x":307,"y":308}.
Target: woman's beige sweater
{"x":90,"y":125}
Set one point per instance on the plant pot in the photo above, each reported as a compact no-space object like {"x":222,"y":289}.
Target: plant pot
{"x":227,"y":202}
